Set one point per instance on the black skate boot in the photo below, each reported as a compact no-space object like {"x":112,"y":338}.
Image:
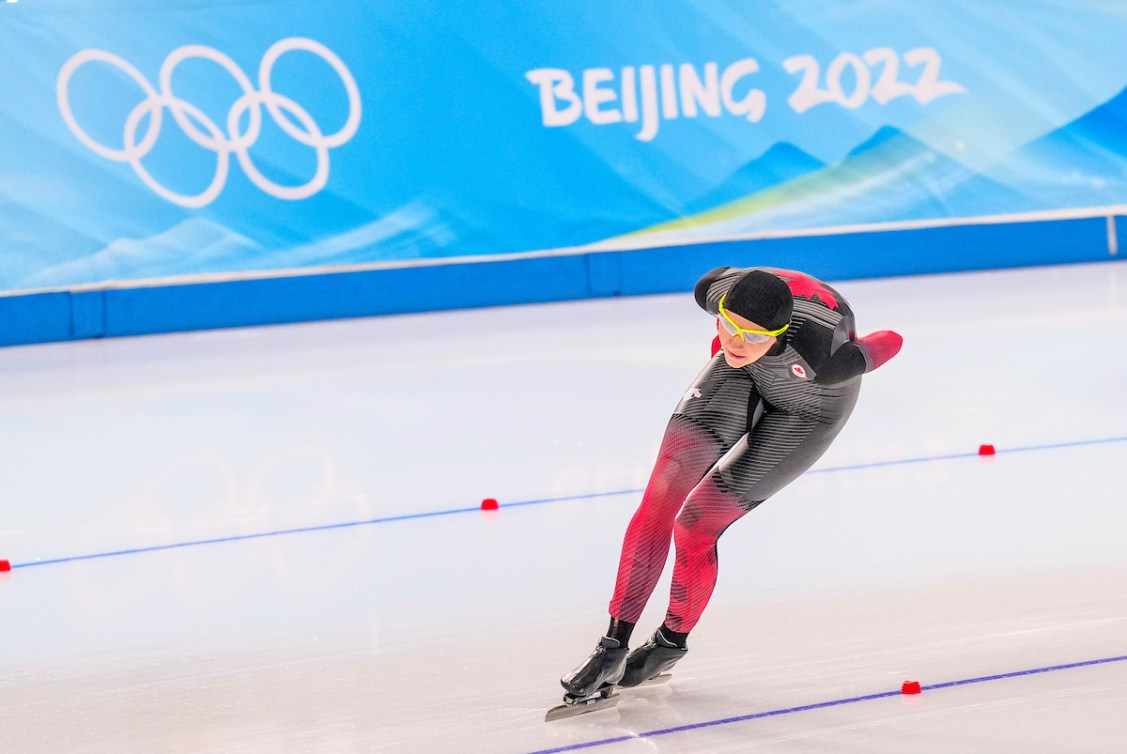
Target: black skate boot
{"x":650,"y":660}
{"x":602,"y":669}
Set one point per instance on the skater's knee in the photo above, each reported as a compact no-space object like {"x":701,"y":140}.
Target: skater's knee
{"x":670,"y":472}
{"x":691,"y":532}
{"x":671,"y":481}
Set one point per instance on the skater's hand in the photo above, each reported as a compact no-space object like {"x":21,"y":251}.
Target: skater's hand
{"x":880,"y":347}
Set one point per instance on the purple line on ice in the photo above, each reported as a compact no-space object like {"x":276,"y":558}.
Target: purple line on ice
{"x":433,"y":514}
{"x":821,"y":705}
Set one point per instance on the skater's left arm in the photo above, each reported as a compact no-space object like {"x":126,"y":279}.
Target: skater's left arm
{"x":859,"y":356}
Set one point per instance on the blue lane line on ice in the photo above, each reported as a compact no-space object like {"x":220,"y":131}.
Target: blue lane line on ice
{"x":820,"y":705}
{"x":952,"y":456}
{"x":542,"y":501}
{"x":303,"y":530}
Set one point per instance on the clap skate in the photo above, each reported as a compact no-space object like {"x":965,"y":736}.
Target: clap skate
{"x":651,"y":661}
{"x":591,"y":687}
{"x":603,"y":698}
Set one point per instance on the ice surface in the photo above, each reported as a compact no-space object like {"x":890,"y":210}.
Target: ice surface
{"x":447,"y":633}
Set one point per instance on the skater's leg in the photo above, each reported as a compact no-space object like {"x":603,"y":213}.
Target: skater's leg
{"x":778,"y":449}
{"x":709,"y":419}
{"x":709,"y":511}
{"x":687,"y":453}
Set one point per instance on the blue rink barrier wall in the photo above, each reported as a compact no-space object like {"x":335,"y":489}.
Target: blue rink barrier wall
{"x":115,"y":310}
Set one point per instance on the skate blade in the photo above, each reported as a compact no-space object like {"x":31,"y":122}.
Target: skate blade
{"x":663,"y":678}
{"x":591,"y":704}
{"x":657,"y":679}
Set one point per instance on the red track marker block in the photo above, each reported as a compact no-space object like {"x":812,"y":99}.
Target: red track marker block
{"x":910,"y":687}
{"x":5,"y":566}
{"x":986,"y":450}
{"x":489,"y":504}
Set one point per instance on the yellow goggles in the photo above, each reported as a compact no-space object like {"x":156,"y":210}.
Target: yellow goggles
{"x":748,"y":336}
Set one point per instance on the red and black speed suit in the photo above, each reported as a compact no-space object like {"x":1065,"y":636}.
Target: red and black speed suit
{"x":738,"y":436}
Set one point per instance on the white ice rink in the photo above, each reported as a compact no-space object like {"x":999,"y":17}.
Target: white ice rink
{"x":422,"y":624}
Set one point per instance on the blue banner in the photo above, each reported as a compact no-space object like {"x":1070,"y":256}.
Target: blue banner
{"x":155,"y":139}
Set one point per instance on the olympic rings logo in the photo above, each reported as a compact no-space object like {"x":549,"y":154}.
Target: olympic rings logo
{"x":223,"y":143}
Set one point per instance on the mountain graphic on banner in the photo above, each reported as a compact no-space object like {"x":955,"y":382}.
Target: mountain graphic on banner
{"x":782,"y":162}
{"x":1083,"y":163}
{"x":890,"y":176}
{"x":920,"y":183}
{"x":408,"y":232}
